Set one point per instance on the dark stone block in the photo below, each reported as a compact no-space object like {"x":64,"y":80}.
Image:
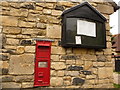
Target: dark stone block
{"x":58,"y":7}
{"x":28,"y":6}
{"x":75,"y":68}
{"x":26,"y":42}
{"x":101,"y":58}
{"x":78,"y":81}
{"x":87,"y":72}
{"x":70,"y":57}
{"x":4,"y":71}
{"x":3,"y":57}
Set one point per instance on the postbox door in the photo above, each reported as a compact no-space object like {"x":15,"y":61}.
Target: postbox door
{"x":42,"y":65}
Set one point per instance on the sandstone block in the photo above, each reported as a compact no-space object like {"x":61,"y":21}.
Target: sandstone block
{"x":107,"y":26}
{"x":22,"y":64}
{"x":53,"y":31}
{"x":7,"y":78}
{"x":23,"y":78}
{"x":4,"y":3}
{"x":33,"y":17}
{"x":66,"y":3}
{"x":79,"y":51}
{"x":56,"y":13}
{"x":26,"y":24}
{"x":72,"y":73}
{"x":9,"y":21}
{"x":34,"y":31}
{"x":108,"y":51}
{"x":27,"y":84}
{"x":39,"y":8}
{"x":30,"y":49}
{"x":88,"y":57}
{"x":11,"y":41}
{"x":57,"y":50}
{"x":47,"y":11}
{"x":66,"y":83}
{"x":60,"y":73}
{"x":106,"y":9}
{"x":58,"y":65}
{"x":5,"y":64}
{"x":55,"y":57}
{"x":20,"y":49}
{"x":53,"y":72}
{"x":56,"y":81}
{"x":11,"y":30}
{"x":22,"y":36}
{"x":41,"y":25}
{"x":102,"y":72}
{"x":19,"y":12}
{"x":88,"y":65}
{"x":79,"y":62}
{"x":11,"y":85}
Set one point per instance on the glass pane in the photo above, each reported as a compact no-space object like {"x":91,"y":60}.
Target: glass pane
{"x":42,"y":64}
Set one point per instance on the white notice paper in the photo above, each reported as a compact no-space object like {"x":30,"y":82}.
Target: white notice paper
{"x":86,"y":28}
{"x":78,"y":39}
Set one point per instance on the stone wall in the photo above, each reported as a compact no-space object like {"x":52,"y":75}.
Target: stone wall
{"x":70,"y":67}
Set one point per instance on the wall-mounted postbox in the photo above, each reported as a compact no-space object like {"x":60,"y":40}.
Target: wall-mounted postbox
{"x":42,"y":63}
{"x":83,"y":26}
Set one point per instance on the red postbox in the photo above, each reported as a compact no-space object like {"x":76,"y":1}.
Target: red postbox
{"x":42,"y":63}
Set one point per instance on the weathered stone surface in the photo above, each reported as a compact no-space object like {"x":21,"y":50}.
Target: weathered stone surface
{"x":70,"y":62}
{"x":47,"y":11}
{"x":33,"y":17}
{"x":5,"y":64}
{"x":22,"y":36}
{"x":106,"y":9}
{"x":60,"y":73}
{"x":9,"y":21}
{"x":41,"y":25}
{"x":57,"y":50}
{"x":27,"y":84}
{"x":91,"y":76}
{"x":53,"y":72}
{"x":102,"y":72}
{"x":33,"y":31}
{"x":22,"y":64}
{"x":66,"y":83}
{"x":88,"y":57}
{"x":11,"y":41}
{"x":27,"y":5}
{"x":24,"y":78}
{"x":72,"y":73}
{"x":70,"y":57}
{"x":19,"y":12}
{"x":55,"y":57}
{"x":7,"y":78}
{"x":56,"y":13}
{"x":20,"y":49}
{"x":58,"y":65}
{"x":11,"y":30}
{"x":56,"y":81}
{"x":29,"y":48}
{"x":79,"y":51}
{"x":88,"y":65}
{"x":39,"y":8}
{"x":108,"y":51}
{"x":11,"y":85}
{"x":53,"y":31}
{"x":79,"y":62}
{"x":26,"y":24}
